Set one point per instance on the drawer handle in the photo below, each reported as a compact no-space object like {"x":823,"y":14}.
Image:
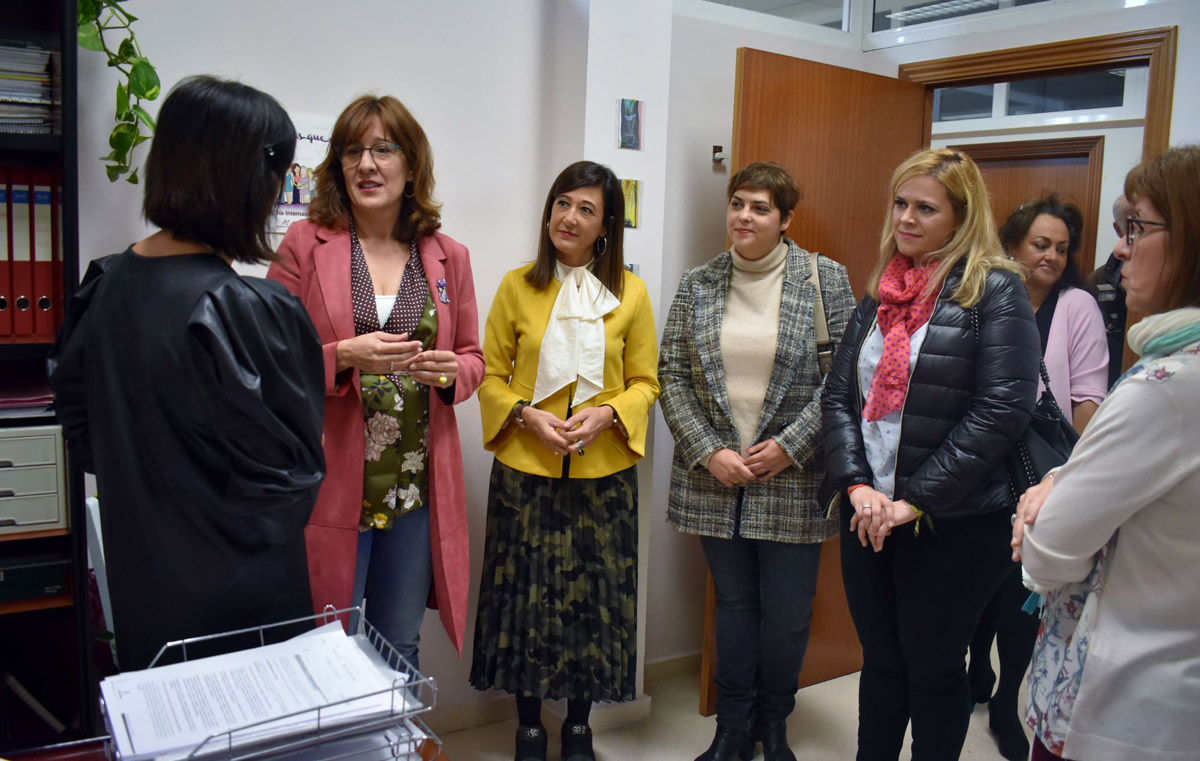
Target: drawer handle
{"x":7,"y":493}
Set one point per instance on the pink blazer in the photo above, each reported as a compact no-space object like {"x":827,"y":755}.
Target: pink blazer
{"x":314,"y":264}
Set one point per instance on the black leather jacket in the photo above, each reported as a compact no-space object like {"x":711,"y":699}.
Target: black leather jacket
{"x":970,"y":396}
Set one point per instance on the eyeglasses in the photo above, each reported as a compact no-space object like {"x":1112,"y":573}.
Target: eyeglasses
{"x":382,"y":153}
{"x":1136,"y":228}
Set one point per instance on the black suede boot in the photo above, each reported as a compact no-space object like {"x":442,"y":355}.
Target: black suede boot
{"x":729,"y":744}
{"x":773,"y":735}
{"x":531,"y":743}
{"x":1010,"y":734}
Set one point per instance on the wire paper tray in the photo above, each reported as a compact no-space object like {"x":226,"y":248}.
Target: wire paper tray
{"x":321,"y":733}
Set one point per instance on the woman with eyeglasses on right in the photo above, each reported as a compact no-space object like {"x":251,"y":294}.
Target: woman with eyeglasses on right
{"x":393,"y":302}
{"x":1113,"y":537}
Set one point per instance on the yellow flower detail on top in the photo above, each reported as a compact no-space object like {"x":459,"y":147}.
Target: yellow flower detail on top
{"x":380,"y":520}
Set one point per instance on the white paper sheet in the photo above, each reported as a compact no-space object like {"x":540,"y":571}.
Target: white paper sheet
{"x":319,"y":680}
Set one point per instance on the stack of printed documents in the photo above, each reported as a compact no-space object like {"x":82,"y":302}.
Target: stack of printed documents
{"x":265,"y":696}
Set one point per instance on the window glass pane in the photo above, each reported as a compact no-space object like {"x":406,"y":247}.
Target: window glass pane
{"x":953,"y":103}
{"x":821,"y":12}
{"x":896,"y":14}
{"x":1069,"y":92}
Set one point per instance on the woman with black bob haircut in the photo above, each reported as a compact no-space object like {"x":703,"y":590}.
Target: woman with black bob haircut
{"x":570,"y":368}
{"x":170,"y":384}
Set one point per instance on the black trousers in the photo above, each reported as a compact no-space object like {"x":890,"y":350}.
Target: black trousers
{"x":915,"y":605}
{"x":764,"y":596}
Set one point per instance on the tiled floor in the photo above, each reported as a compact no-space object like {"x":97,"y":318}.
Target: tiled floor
{"x":823,"y":727}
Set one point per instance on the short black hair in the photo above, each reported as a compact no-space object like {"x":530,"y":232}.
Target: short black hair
{"x":1016,"y":227}
{"x":216,"y":166}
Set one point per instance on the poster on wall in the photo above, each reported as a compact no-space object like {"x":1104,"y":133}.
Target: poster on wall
{"x":632,"y":189}
{"x":630,"y":128}
{"x":312,"y":144}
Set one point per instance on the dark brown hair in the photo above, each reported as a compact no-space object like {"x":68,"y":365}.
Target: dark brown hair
{"x":1171,"y":183}
{"x":610,"y":265}
{"x":1016,"y":227}
{"x":420,"y":214}
{"x":216,"y":166}
{"x":768,"y":176}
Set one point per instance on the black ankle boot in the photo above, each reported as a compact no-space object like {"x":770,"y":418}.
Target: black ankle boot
{"x":1010,"y":734}
{"x":577,"y":742}
{"x":729,"y":744}
{"x":773,"y":736}
{"x":531,"y":743}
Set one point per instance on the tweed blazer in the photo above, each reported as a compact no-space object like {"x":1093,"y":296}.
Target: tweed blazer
{"x":695,"y":404}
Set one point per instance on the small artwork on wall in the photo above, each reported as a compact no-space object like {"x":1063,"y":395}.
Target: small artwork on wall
{"x":630,"y":128}
{"x":633,"y":196}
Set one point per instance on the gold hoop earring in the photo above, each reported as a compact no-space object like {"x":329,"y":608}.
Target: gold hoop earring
{"x":600,"y":249}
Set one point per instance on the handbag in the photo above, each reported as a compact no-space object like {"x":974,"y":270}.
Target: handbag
{"x":1046,"y":443}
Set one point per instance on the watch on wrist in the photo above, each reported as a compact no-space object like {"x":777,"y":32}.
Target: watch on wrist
{"x":518,"y":411}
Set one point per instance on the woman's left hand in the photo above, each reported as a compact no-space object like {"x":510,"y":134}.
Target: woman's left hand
{"x":766,"y":459}
{"x":435,"y":368}
{"x":1028,"y":507}
{"x":584,"y":426}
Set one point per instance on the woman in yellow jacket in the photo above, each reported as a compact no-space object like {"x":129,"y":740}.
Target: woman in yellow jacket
{"x":571,"y":354}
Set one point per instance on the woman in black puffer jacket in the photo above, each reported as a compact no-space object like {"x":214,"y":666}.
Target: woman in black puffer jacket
{"x":935,"y":379}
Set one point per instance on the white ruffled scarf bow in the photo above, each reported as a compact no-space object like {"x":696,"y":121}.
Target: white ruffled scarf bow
{"x":573,"y":346}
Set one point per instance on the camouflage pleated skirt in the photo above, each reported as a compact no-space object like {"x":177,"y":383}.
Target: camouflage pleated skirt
{"x":557,"y":613}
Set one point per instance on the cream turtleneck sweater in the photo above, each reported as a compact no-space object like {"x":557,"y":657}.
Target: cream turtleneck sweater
{"x":749,"y":335}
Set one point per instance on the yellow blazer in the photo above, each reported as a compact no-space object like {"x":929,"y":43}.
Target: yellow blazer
{"x":511,"y":347}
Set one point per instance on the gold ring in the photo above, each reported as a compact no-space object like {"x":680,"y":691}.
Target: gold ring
{"x":442,"y":379}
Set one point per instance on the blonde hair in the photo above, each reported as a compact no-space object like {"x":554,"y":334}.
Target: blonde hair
{"x":975,"y":237}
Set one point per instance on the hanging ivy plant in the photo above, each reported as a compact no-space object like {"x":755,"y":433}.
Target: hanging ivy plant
{"x":139,"y":80}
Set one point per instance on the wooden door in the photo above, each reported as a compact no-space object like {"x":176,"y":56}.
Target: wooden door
{"x":840,"y":133}
{"x":1017,"y":172}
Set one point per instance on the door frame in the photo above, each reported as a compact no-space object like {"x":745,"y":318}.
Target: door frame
{"x":1089,"y":146}
{"x":1154,"y":48}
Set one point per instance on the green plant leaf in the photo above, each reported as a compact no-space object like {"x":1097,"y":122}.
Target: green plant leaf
{"x":126,"y":51}
{"x":122,"y":100}
{"x":143,"y":80}
{"x":132,"y":178}
{"x":144,"y":117}
{"x":140,"y":139}
{"x":121,"y":139}
{"x":114,"y":171}
{"x":89,"y":37}
{"x":89,"y":10}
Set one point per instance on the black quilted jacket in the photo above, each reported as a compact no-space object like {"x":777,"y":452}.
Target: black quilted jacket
{"x":970,"y":396}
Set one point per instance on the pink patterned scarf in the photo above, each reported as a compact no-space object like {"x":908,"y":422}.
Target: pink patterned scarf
{"x":902,"y":311}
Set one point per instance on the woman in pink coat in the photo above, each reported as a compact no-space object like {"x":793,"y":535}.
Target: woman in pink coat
{"x":393,"y":302}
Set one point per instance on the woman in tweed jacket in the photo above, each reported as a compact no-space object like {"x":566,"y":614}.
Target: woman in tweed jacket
{"x":741,"y":389}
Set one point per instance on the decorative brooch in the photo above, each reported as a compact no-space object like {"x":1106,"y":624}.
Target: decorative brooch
{"x":442,"y":295}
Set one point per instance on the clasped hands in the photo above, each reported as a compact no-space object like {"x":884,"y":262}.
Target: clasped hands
{"x":576,"y":432}
{"x":764,"y":460}
{"x":875,"y":515}
{"x":382,"y":353}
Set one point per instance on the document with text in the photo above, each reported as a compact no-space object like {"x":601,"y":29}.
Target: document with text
{"x":318,"y":681}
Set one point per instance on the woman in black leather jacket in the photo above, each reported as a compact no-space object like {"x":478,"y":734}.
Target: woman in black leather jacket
{"x":935,"y":379}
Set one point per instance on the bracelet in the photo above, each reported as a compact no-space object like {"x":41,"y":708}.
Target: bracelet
{"x":850,"y":489}
{"x":518,"y":412}
{"x":920,"y":516}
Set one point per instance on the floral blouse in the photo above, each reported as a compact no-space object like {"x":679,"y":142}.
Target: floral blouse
{"x":395,"y":406}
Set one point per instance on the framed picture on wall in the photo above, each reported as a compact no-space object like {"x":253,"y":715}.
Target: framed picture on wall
{"x":633,"y":196}
{"x":630,"y":127}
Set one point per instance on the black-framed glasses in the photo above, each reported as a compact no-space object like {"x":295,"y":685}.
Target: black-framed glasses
{"x":382,"y":153}
{"x":1136,"y":228}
